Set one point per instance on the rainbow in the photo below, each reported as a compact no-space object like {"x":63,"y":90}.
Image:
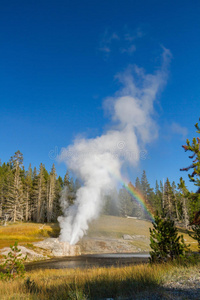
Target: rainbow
{"x":137,"y":196}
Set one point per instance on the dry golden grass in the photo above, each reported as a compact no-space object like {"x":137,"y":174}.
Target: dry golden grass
{"x":83,"y":284}
{"x":97,"y":283}
{"x":94,"y":283}
{"x":25,"y":232}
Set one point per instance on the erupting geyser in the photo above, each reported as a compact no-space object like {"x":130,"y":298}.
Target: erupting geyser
{"x":97,"y":162}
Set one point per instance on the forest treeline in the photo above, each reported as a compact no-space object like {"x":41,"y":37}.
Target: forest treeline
{"x":171,"y":199}
{"x":34,"y":195}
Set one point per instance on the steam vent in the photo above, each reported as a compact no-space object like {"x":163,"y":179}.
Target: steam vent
{"x":59,"y":248}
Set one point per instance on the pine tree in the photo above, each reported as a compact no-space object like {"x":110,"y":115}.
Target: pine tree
{"x":77,"y":185}
{"x":111,"y":206}
{"x":164,"y":241}
{"x":40,"y":195}
{"x":144,"y":184}
{"x":7,"y":183}
{"x":195,"y":166}
{"x":137,"y":208}
{"x":194,"y":198}
{"x":194,"y":147}
{"x":196,"y":229}
{"x":125,"y":203}
{"x":69,"y":185}
{"x":2,"y":186}
{"x":15,"y":199}
{"x":169,"y":199}
{"x":162,"y":191}
{"x":158,"y":198}
{"x":34,"y":195}
{"x":16,"y":159}
{"x":184,"y":193}
{"x":138,"y":184}
{"x":176,"y":201}
{"x":147,"y":192}
{"x":51,"y":194}
{"x":27,"y":194}
{"x":57,"y":210}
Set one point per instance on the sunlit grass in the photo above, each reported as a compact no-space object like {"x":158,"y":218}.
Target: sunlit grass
{"x":116,"y":227}
{"x":104,"y":227}
{"x":26,"y":232}
{"x":96,"y":283}
{"x":77,"y":284}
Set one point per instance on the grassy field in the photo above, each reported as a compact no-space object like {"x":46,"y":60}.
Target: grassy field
{"x":78,"y":284}
{"x":135,"y":282}
{"x":104,"y":227}
{"x":110,"y":226}
{"x":25,"y":233}
{"x":116,"y":227}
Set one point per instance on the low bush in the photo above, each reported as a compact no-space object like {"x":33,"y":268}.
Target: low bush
{"x":13,"y":265}
{"x":165,"y":242}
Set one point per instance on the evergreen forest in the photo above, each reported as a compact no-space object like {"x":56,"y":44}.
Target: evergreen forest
{"x":33,"y":195}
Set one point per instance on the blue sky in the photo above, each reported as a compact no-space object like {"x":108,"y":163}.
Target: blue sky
{"x":59,"y":60}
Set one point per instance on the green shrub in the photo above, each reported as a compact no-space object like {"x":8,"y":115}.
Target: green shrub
{"x":196,"y":234}
{"x":165,"y":242}
{"x":13,"y":266}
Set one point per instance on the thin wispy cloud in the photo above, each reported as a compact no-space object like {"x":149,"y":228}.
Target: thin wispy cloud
{"x":179,"y":130}
{"x":133,"y":35}
{"x":128,"y":50}
{"x":106,"y":41}
{"x":105,"y":49}
{"x":123,"y":42}
{"x":173,"y":130}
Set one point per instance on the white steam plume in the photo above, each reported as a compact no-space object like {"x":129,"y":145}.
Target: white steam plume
{"x":95,"y":160}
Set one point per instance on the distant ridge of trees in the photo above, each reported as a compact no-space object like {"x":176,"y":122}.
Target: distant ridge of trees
{"x":169,"y":198}
{"x":34,"y":195}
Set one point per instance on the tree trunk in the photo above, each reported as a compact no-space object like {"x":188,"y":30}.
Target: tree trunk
{"x":186,"y":218}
